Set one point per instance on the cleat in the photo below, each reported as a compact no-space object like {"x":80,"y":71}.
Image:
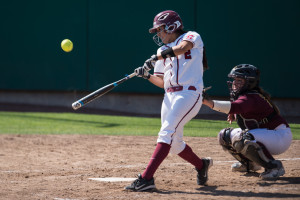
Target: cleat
{"x":140,"y":185}
{"x":239,"y":167}
{"x":275,"y":172}
{"x":202,"y":175}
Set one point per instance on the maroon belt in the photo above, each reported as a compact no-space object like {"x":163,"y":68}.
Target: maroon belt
{"x":180,"y":88}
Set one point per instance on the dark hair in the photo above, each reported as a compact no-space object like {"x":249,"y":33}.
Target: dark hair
{"x":204,"y":61}
{"x":268,"y":98}
{"x":180,"y":31}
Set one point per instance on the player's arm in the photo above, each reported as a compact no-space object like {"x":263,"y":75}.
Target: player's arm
{"x":179,"y":49}
{"x":157,"y":80}
{"x":241,"y":105}
{"x":149,"y":64}
{"x":220,"y":106}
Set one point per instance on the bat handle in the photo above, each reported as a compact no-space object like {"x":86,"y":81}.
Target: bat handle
{"x":131,"y":75}
{"x":77,"y":104}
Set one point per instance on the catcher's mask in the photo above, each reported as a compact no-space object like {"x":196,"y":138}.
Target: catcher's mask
{"x":249,"y":73}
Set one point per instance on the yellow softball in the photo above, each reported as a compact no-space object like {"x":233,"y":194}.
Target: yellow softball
{"x":67,"y":45}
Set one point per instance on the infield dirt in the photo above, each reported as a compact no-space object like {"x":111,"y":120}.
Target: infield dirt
{"x":59,"y":167}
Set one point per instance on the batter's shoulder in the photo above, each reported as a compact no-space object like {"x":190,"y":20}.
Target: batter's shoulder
{"x":193,"y":37}
{"x":192,"y":32}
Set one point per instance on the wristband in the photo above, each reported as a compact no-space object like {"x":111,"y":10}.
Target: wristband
{"x":168,"y":53}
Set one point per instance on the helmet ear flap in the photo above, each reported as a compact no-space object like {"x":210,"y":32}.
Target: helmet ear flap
{"x":173,"y":27}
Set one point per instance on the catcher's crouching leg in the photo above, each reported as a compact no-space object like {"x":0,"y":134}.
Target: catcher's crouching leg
{"x":224,"y":138}
{"x":246,"y":145}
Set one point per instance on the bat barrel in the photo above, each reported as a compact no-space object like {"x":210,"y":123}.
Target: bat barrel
{"x":85,"y":100}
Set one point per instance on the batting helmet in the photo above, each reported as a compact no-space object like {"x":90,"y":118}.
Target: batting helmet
{"x":170,"y":19}
{"x":250,"y":73}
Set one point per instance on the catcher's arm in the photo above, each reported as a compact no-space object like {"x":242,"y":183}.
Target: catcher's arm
{"x":206,"y":100}
{"x":210,"y":103}
{"x":220,"y":106}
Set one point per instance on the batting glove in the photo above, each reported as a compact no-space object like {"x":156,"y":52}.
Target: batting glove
{"x":141,"y":72}
{"x":150,"y":63}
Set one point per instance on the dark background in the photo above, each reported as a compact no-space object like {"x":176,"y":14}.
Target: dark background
{"x":111,"y":39}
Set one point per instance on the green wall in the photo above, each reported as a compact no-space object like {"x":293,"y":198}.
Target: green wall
{"x":111,"y":39}
{"x":264,"y":33}
{"x":31,"y":57}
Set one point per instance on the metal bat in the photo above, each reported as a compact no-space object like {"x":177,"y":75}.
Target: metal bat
{"x":98,"y":93}
{"x":207,"y":88}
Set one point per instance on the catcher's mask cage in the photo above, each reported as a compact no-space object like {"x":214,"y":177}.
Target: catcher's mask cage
{"x":249,"y":73}
{"x":171,"y":22}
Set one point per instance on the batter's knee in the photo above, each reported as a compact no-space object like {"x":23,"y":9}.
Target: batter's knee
{"x":164,"y":137}
{"x":177,"y":147}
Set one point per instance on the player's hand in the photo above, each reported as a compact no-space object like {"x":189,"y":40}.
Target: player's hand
{"x":141,"y":72}
{"x":230,"y":118}
{"x":150,"y":63}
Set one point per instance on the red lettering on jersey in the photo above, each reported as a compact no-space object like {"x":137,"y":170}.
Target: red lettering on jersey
{"x":189,"y":37}
{"x":188,"y":55}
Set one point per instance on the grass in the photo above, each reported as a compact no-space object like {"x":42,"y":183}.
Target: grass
{"x":70,"y":123}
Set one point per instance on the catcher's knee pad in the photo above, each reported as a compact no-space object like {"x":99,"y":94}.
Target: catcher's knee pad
{"x":238,"y":140}
{"x":224,"y":138}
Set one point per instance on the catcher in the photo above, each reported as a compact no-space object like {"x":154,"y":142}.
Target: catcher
{"x":263,"y":131}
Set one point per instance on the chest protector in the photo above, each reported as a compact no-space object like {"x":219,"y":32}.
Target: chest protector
{"x":249,"y":124}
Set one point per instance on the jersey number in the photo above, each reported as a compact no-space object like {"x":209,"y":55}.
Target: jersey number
{"x":188,"y":55}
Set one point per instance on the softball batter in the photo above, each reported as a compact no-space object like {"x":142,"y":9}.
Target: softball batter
{"x":178,"y":68}
{"x":263,"y":131}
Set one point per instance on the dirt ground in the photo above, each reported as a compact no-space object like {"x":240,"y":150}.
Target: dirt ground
{"x":58,"y":167}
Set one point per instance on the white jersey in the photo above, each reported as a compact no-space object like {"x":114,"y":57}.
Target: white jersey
{"x":186,"y":69}
{"x":182,"y":103}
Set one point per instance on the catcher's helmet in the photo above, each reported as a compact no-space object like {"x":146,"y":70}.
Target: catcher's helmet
{"x":170,"y":19}
{"x":250,"y":73}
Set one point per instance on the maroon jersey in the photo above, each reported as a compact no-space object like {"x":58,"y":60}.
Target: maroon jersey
{"x":253,"y":110}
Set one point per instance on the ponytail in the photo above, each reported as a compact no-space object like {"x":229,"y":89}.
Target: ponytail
{"x":268,"y":98}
